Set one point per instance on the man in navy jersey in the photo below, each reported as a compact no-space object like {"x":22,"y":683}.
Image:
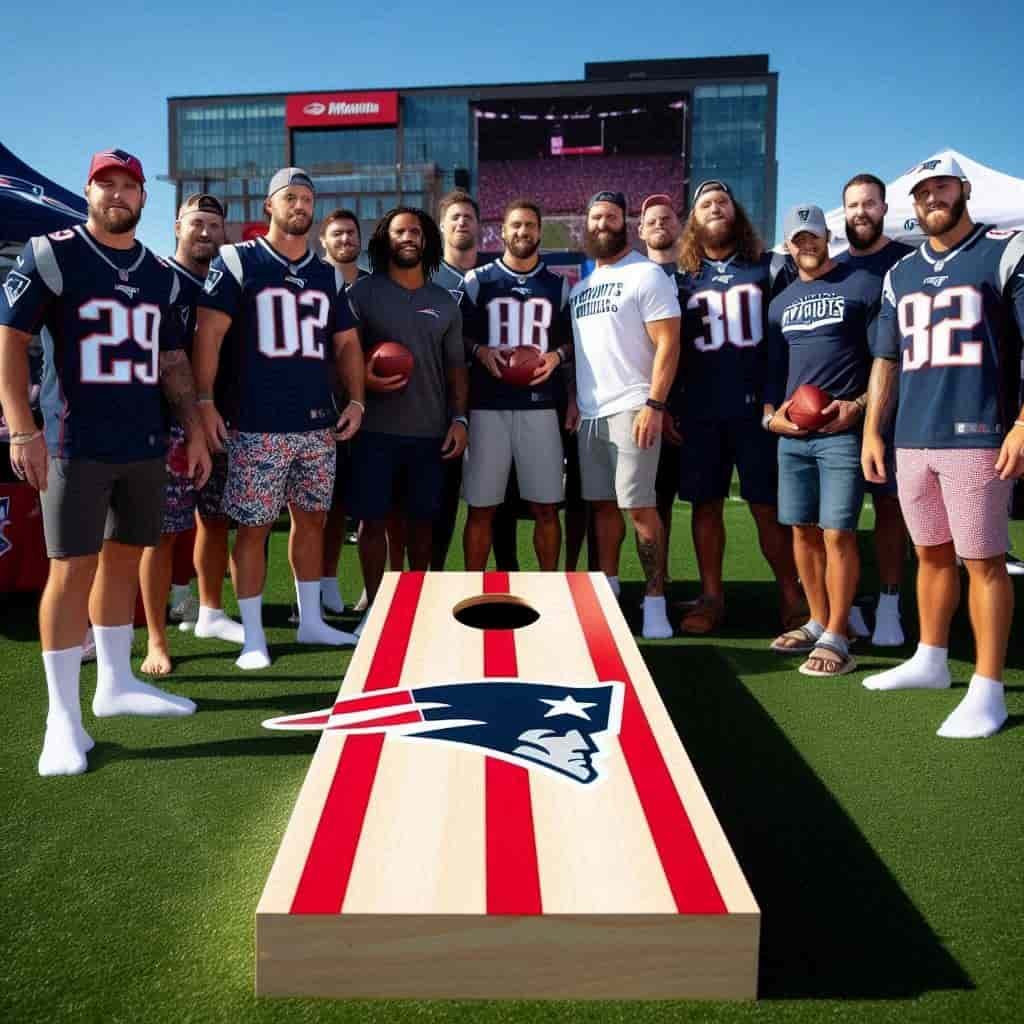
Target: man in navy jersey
{"x":414,"y":424}
{"x":872,"y":250}
{"x":200,"y":233}
{"x":949,"y":333}
{"x":341,"y":241}
{"x":280,"y":313}
{"x":109,"y":317}
{"x":515,"y":301}
{"x":725,"y":284}
{"x":818,"y":331}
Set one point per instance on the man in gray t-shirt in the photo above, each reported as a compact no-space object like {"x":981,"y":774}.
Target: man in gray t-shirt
{"x":411,"y":425}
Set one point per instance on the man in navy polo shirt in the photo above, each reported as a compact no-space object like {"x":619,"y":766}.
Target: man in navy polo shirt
{"x":818,"y":334}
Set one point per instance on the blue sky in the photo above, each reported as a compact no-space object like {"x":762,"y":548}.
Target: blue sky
{"x":867,"y":86}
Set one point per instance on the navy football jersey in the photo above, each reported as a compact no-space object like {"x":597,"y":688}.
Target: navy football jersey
{"x":818,"y":331}
{"x":722,"y":360}
{"x":451,"y":278}
{"x":505,"y":309}
{"x":284,"y":316}
{"x":953,"y":320}
{"x":878,"y":263}
{"x":190,"y":288}
{"x":104,"y":316}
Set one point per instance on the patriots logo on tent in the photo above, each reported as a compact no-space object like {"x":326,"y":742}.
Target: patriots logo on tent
{"x":5,"y":518}
{"x":563,"y":729}
{"x":15,"y":285}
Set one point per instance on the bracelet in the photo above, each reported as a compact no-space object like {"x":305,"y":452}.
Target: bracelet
{"x":354,"y":401}
{"x":461,"y":419}
{"x":21,"y":439}
{"x":766,"y":421}
{"x":204,"y":401}
{"x":653,"y":403}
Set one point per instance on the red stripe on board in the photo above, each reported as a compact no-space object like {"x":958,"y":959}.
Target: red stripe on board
{"x":349,"y":705}
{"x":513,"y":877}
{"x":402,"y":718}
{"x":328,"y":867}
{"x":686,"y":868}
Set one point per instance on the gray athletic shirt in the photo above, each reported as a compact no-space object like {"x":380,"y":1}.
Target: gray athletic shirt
{"x":426,"y":321}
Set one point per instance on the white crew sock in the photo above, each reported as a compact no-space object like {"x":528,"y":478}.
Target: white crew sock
{"x":656,"y":624}
{"x":312,"y":628}
{"x":888,"y":626}
{"x":613,"y":582}
{"x":214,"y":624}
{"x":179,"y":591}
{"x":118,"y":692}
{"x":928,"y":669}
{"x":330,"y":594}
{"x":856,"y":623}
{"x":66,"y":742}
{"x":981,"y":713}
{"x":254,"y":647}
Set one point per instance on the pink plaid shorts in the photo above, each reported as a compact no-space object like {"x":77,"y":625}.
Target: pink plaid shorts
{"x":955,"y":494}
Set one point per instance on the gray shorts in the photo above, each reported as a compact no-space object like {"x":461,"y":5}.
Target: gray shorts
{"x":497,"y":437}
{"x":87,"y":502}
{"x":612,"y":467}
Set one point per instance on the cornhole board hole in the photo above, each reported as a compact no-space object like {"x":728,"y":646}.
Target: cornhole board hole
{"x":502,"y":813}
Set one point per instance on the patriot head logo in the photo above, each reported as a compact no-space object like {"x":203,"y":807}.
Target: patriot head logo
{"x":212,"y":280}
{"x":928,"y":165}
{"x":558,"y":728}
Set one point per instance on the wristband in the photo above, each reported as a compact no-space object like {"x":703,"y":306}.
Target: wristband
{"x":462,"y":420}
{"x":204,"y":401}
{"x":353,"y":401}
{"x":22,"y":439}
{"x":653,"y":403}
{"x":766,"y":420}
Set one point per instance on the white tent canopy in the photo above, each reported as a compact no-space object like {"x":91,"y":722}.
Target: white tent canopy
{"x":996,"y":199}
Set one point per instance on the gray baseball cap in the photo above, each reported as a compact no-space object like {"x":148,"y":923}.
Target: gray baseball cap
{"x":289,"y":176}
{"x":805,"y":218}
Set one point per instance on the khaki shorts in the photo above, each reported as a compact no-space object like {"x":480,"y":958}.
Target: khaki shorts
{"x":497,"y":437}
{"x":87,"y":502}
{"x":612,"y":467}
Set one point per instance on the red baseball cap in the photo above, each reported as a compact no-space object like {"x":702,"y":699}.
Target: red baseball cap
{"x":658,"y":199}
{"x":118,"y":160}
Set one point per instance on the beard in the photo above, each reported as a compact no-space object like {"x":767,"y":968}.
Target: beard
{"x":462,"y":241}
{"x":659,"y":241}
{"x":863,"y":236}
{"x":602,"y":244}
{"x":941,"y":220}
{"x":522,"y":249}
{"x":811,"y":261}
{"x":202,"y":252}
{"x":297,"y":223}
{"x":347,"y":255}
{"x":116,"y":220}
{"x":405,"y":257}
{"x":719,"y":234}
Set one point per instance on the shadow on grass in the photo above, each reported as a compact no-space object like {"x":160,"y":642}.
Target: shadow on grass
{"x":835,"y":922}
{"x":272,"y":745}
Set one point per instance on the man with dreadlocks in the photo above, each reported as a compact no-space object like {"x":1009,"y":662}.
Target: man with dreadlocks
{"x":725,"y":283}
{"x":411,"y":426}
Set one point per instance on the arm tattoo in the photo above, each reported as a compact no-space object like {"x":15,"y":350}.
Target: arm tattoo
{"x":179,"y":388}
{"x":652,"y":561}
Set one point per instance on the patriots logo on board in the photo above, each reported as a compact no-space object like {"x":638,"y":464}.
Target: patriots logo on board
{"x":212,"y":280}
{"x":561,"y":728}
{"x":5,"y":518}
{"x":15,"y":286}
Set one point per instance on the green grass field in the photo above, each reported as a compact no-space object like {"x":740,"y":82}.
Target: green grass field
{"x":887,"y":862}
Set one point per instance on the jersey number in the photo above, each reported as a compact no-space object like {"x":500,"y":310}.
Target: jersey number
{"x":281,"y":332}
{"x":140,"y":324}
{"x":514,"y":322}
{"x":733,"y":317}
{"x":933,"y":343}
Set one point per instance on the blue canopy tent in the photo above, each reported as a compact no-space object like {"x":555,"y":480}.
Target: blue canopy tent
{"x":31,"y":204}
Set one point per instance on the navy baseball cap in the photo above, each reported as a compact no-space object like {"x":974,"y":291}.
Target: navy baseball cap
{"x":201,"y":202}
{"x":607,"y":196}
{"x":712,"y":185}
{"x":289,"y":176}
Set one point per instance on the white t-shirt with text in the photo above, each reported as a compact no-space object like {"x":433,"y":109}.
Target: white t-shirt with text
{"x":614,"y":354}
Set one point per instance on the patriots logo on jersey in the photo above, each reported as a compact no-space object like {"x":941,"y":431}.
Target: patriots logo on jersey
{"x":5,"y":518}
{"x":15,"y":286}
{"x":562,"y":729}
{"x":297,"y":281}
{"x":212,"y":280}
{"x":525,"y":292}
{"x":936,"y":280}
{"x":128,"y":290}
{"x":430,"y":312}
{"x":723,"y":278}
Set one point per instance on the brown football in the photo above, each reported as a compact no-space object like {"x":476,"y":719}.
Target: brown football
{"x":805,"y":409}
{"x":522,"y":364}
{"x":390,"y":358}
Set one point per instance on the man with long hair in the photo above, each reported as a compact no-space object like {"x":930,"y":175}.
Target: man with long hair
{"x":413,"y":424}
{"x":725,"y":284}
{"x":949,"y":334}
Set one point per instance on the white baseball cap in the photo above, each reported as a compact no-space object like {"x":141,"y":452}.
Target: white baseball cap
{"x":938,"y":167}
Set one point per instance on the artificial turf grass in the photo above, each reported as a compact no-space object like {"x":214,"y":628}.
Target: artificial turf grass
{"x":130,"y":891}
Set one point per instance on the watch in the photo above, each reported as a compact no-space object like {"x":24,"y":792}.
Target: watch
{"x":766,"y":420}
{"x":461,"y":419}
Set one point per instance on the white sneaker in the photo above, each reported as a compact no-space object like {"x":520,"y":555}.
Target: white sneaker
{"x":1014,"y":565}
{"x":185,"y":613}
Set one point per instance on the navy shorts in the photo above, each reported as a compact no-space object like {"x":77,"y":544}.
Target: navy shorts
{"x":712,"y":448}
{"x":383,"y":462}
{"x":888,"y":489}
{"x":820,"y":481}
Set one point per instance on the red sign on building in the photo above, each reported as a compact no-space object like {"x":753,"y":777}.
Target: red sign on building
{"x":341,"y":109}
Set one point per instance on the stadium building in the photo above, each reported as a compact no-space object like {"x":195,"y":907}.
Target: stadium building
{"x":639,"y":126}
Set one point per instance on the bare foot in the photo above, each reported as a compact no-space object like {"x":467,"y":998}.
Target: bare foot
{"x":158,"y":661}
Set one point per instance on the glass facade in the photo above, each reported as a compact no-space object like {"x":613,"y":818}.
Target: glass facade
{"x":327,"y":149}
{"x":729,"y":140}
{"x":439,"y":130}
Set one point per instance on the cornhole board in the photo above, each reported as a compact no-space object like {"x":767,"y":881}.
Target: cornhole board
{"x":536,"y":831}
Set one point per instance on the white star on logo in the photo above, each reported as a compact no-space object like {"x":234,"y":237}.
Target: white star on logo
{"x":568,"y":705}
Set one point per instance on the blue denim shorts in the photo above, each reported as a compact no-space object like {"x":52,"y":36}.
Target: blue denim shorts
{"x":821,"y":481}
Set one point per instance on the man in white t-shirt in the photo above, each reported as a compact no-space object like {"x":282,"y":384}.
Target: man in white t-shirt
{"x":625,"y":321}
